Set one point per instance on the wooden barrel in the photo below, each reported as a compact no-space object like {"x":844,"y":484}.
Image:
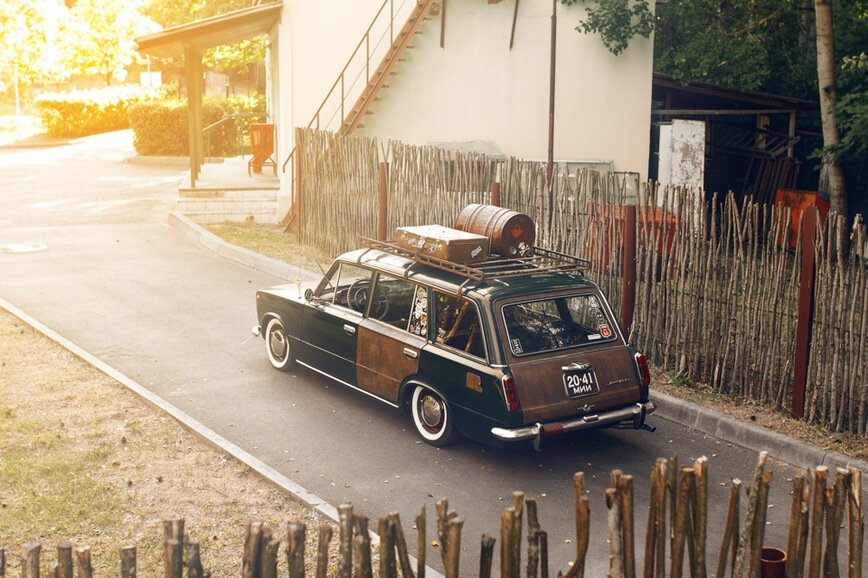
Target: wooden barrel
{"x":510,"y":233}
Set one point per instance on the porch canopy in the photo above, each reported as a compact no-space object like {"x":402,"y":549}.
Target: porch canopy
{"x":191,"y":40}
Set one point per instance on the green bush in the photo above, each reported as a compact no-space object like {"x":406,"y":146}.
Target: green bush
{"x":82,"y":113}
{"x":161,"y":126}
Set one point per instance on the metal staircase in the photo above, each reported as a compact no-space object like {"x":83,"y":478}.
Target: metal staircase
{"x":357,"y":82}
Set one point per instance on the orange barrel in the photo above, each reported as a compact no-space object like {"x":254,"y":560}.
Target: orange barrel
{"x":510,"y":233}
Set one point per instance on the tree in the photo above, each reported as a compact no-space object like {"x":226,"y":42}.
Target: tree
{"x":770,"y":46}
{"x":99,"y":36}
{"x":617,"y":21}
{"x":22,"y":42}
{"x":746,"y":44}
{"x":832,"y":174}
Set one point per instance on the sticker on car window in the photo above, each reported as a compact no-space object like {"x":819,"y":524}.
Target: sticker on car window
{"x":419,"y":313}
{"x":516,"y":346}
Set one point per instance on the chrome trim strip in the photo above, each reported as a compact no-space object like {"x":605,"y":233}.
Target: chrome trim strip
{"x":535,"y":431}
{"x":342,"y":382}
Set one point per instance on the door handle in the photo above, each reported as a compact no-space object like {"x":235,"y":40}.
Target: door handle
{"x":411,"y":353}
{"x":349,"y":329}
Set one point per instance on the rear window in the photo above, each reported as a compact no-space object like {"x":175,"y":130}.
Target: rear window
{"x":556,"y":323}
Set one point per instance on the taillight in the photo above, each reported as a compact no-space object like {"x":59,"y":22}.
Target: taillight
{"x":644,"y":371}
{"x":509,"y":390}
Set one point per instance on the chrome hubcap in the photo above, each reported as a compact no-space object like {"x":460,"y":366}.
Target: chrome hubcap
{"x":431,"y":412}
{"x":277,"y":342}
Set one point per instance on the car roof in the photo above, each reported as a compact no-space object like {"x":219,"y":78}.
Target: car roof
{"x":492,"y":287}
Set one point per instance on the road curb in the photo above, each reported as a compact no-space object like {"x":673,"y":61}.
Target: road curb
{"x":747,"y":435}
{"x":751,"y":436}
{"x":208,"y":240}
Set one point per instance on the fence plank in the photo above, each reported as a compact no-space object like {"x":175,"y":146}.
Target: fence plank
{"x":30,"y":560}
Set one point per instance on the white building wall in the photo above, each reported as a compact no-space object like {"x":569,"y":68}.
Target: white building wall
{"x":476,"y":88}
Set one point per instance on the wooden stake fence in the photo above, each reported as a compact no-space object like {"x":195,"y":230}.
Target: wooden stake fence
{"x":819,"y":512}
{"x":716,"y":287}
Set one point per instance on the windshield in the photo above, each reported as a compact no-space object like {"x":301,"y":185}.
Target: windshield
{"x":556,"y":323}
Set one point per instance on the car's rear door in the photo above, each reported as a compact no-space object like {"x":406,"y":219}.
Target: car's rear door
{"x":567,"y":357}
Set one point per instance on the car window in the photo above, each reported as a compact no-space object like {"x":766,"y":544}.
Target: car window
{"x":458,"y":324}
{"x":346,"y":285}
{"x":393,"y":301}
{"x":556,"y":323}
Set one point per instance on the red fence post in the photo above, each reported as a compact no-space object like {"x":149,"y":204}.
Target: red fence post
{"x":383,"y":202}
{"x":628,"y":292}
{"x":805,"y":318}
{"x":495,"y":193}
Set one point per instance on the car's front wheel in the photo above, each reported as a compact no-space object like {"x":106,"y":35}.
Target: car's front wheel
{"x":432,"y":417}
{"x":277,"y":345}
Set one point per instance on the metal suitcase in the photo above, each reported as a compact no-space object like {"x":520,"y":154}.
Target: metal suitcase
{"x":444,"y":243}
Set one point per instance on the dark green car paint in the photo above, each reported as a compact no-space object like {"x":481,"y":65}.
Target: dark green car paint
{"x":323,"y":336}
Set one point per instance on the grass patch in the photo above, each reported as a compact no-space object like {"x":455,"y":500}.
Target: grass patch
{"x":271,"y":241}
{"x":84,"y":459}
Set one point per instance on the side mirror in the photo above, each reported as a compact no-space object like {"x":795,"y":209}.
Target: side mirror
{"x":308,"y":294}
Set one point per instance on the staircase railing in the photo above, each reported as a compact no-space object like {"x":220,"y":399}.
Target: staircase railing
{"x":239,"y":132}
{"x":355,"y":78}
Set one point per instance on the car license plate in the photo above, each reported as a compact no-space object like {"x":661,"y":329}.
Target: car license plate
{"x":581,"y":382}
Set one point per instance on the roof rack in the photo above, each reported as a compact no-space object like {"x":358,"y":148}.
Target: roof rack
{"x":540,"y":261}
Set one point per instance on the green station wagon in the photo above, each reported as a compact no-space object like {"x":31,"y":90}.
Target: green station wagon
{"x":501,"y":350}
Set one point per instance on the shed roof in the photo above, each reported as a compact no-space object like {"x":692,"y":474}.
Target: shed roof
{"x":701,"y":97}
{"x":223,"y":29}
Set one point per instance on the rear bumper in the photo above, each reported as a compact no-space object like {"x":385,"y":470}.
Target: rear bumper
{"x":632,"y":417}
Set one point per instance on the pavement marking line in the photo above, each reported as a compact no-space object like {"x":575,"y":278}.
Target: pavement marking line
{"x":308,"y":498}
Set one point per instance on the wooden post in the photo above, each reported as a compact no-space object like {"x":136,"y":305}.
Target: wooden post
{"x":322,"y":554}
{"x":85,"y":569}
{"x":297,"y":185}
{"x":388,"y":563}
{"x":508,"y":521}
{"x":486,"y":557}
{"x":295,"y":550}
{"x":30,"y":560}
{"x":64,"y":559}
{"x":194,"y":561}
{"x":806,"y":312}
{"x":362,"y":565}
{"x":397,"y":530}
{"x":818,"y":514}
{"x":345,"y":543}
{"x":495,"y":193}
{"x":421,"y":542}
{"x":628,"y":293}
{"x":383,"y":203}
{"x":533,"y":530}
{"x":128,"y":562}
{"x":453,"y":540}
{"x":543,"y":539}
{"x":268,"y":560}
{"x":173,"y":559}
{"x":856,"y":526}
{"x":252,"y":544}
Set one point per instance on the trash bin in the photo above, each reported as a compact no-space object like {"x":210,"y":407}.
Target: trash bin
{"x":262,"y":146}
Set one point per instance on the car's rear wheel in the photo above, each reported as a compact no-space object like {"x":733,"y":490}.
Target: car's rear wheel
{"x":432,"y":418}
{"x":277,"y":345}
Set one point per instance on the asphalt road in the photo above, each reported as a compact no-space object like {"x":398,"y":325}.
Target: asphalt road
{"x":85,"y":248}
